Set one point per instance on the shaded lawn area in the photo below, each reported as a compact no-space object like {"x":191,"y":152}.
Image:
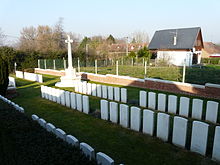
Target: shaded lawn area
{"x":24,"y":142}
{"x":123,"y":145}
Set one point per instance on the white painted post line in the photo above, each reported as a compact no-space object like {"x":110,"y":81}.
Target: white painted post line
{"x":78,"y":66}
{"x":117,"y":67}
{"x":54,"y":64}
{"x":145,"y":69}
{"x":38,"y":63}
{"x":45,"y":64}
{"x":96,"y":69}
{"x":184,"y":71}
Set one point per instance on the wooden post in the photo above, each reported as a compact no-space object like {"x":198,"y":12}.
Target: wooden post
{"x":117,"y":67}
{"x":96,"y":69}
{"x":78,"y":65}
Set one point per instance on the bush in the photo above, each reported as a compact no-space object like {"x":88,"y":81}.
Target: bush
{"x":211,"y":60}
{"x":4,"y":73}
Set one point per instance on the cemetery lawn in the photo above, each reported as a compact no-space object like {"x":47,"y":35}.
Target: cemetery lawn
{"x":23,"y":141}
{"x":123,"y":145}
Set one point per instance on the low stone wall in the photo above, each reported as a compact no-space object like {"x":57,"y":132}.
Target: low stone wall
{"x":208,"y":90}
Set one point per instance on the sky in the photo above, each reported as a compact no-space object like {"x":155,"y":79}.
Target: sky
{"x":120,"y":18}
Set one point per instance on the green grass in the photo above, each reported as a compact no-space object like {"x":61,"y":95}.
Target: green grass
{"x":123,"y":145}
{"x":23,"y":141}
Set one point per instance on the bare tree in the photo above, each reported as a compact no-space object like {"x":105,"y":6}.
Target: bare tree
{"x":140,"y":37}
{"x":27,"y":39}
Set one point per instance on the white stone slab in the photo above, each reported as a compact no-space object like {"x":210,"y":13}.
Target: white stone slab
{"x":94,"y":90}
{"x":152,"y":100}
{"x":80,"y":87}
{"x":104,"y":110}
{"x":50,"y":128}
{"x":58,"y":95}
{"x":199,"y":137}
{"x":184,"y":106}
{"x":42,"y":91}
{"x":84,"y":84}
{"x":79,"y":102}
{"x":76,"y":87}
{"x":114,"y":112}
{"x":124,"y":115}
{"x":197,"y":109}
{"x":110,"y":93}
{"x":62,"y":97}
{"x":179,"y":131}
{"x":54,"y":97}
{"x":212,"y":111}
{"x":163,"y":125}
{"x":86,"y":104}
{"x":143,"y":99}
{"x":46,"y":92}
{"x":49,"y":89}
{"x":104,"y":159}
{"x":19,"y":74}
{"x":99,"y":90}
{"x":216,"y":145}
{"x":104,"y":92}
{"x":89,"y":89}
{"x":135,"y":118}
{"x":72,"y":140}
{"x":123,"y":95}
{"x":42,"y":122}
{"x":60,"y":134}
{"x":161,"y":104}
{"x":87,"y":150}
{"x":67,"y":98}
{"x":73,"y":100}
{"x":148,"y":122}
{"x":117,"y":93}
{"x":40,"y":78}
{"x":34,"y":117}
{"x":172,"y":104}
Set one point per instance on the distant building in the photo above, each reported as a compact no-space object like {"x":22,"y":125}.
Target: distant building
{"x":210,"y":50}
{"x":178,"y":46}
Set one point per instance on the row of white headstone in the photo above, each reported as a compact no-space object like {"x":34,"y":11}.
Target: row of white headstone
{"x":29,"y":76}
{"x":134,"y":119}
{"x":101,"y":158}
{"x":14,"y":105}
{"x":102,"y":91}
{"x":66,"y":98}
{"x":148,"y":99}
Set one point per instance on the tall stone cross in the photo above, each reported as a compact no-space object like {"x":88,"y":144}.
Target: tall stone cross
{"x":69,"y":41}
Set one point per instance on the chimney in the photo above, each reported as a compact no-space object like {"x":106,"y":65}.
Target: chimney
{"x":174,"y":39}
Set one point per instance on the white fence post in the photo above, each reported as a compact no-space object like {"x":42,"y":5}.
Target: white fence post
{"x":38,"y":63}
{"x":45,"y":64}
{"x":117,"y":67}
{"x":54,"y":64}
{"x":96,"y":69}
{"x":78,"y":66}
{"x":145,"y":69}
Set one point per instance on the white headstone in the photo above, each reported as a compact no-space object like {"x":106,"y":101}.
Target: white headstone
{"x":117,"y":93}
{"x":46,"y":92}
{"x":199,"y":137}
{"x":34,"y":117}
{"x":19,"y":74}
{"x":86,"y":104}
{"x":179,"y":131}
{"x":148,"y":122}
{"x":40,"y":78}
{"x":135,"y":118}
{"x":84,"y":84}
{"x":104,"y":159}
{"x":216,"y":145}
{"x":50,"y":128}
{"x":94,"y":93}
{"x":184,"y":106}
{"x":99,"y":90}
{"x":124,"y":115}
{"x":58,"y":94}
{"x":54,"y":97}
{"x":76,"y":87}
{"x":110,"y":93}
{"x":163,"y":126}
{"x":60,"y":134}
{"x":62,"y":97}
{"x":104,"y":110}
{"x":73,"y":100}
{"x":197,"y":109}
{"x":80,"y":87}
{"x":50,"y":93}
{"x":152,"y":100}
{"x":89,"y":89}
{"x":87,"y":150}
{"x":172,"y":104}
{"x":72,"y":140}
{"x":143,"y":99}
{"x":114,"y":112}
{"x":123,"y":95}
{"x":161,"y":105}
{"x":42,"y":91}
{"x":67,"y":98}
{"x":42,"y":122}
{"x":104,"y":92}
{"x":212,"y":111}
{"x":79,"y":102}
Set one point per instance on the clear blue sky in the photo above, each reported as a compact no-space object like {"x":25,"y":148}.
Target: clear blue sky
{"x":117,"y":17}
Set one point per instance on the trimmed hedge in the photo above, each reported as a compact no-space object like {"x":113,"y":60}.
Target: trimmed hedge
{"x":4,"y":73}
